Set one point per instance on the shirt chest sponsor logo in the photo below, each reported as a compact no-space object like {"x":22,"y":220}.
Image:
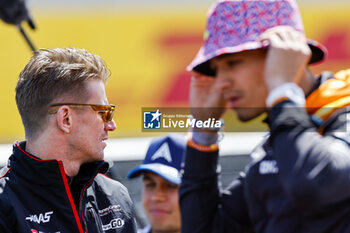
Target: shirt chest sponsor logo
{"x":40,"y":218}
{"x":114,"y":224}
{"x":109,"y":209}
{"x":268,"y":167}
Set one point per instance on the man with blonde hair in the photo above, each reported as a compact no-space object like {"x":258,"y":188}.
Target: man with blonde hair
{"x":54,"y":180}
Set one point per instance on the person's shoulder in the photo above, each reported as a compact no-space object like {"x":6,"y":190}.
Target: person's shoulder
{"x":103,"y":179}
{"x":113,"y":190}
{"x":107,"y":184}
{"x":5,"y":196}
{"x":3,"y":177}
{"x":343,"y":74}
{"x":4,"y":171}
{"x":146,"y":229}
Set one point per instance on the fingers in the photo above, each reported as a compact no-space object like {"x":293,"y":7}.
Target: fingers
{"x":201,"y":80}
{"x":206,"y":96}
{"x":287,"y":56}
{"x":285,"y":33}
{"x":286,"y":38}
{"x":201,"y":77}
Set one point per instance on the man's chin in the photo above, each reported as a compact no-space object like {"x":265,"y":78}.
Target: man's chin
{"x":97,"y":157}
{"x":245,"y":115}
{"x":101,"y":156}
{"x":164,"y":227}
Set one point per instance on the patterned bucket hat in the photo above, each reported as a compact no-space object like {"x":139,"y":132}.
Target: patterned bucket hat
{"x":236,"y":25}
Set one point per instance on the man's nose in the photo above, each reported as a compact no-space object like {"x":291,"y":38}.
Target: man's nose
{"x":110,"y":125}
{"x":222,"y":80}
{"x":159,"y":194}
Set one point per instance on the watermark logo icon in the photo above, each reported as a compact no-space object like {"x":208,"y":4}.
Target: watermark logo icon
{"x":152,"y":120}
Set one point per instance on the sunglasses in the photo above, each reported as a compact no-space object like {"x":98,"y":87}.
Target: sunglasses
{"x":106,"y":111}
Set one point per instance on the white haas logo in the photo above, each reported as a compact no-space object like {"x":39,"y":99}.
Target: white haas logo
{"x":41,"y":218}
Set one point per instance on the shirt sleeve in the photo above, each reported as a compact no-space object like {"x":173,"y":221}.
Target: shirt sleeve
{"x":206,"y":208}
{"x":314,"y":167}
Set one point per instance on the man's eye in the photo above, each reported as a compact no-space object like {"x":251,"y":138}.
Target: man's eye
{"x":232,"y":63}
{"x":172,"y":186}
{"x":213,"y":66}
{"x":149,"y":185}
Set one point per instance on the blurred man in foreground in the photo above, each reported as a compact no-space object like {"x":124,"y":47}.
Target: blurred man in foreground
{"x":161,"y":179}
{"x":255,"y":60}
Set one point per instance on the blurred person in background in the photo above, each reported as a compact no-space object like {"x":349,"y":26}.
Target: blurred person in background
{"x":255,"y":59}
{"x":160,"y":172}
{"x":54,"y":179}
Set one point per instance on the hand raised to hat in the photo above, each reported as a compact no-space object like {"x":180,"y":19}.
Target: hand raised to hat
{"x":287,"y":57}
{"x":206,"y":97}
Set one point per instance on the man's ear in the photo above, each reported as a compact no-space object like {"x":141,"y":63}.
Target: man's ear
{"x":64,"y":119}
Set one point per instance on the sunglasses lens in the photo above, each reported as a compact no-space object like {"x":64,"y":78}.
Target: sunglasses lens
{"x":105,"y":111}
{"x":110,"y":115}
{"x":107,"y":115}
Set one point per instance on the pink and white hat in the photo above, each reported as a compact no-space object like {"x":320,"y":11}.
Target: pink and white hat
{"x":236,"y":25}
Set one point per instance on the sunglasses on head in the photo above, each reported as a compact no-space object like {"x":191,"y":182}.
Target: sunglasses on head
{"x":106,"y":111}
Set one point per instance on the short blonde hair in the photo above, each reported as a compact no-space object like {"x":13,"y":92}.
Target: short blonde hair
{"x":52,"y":74}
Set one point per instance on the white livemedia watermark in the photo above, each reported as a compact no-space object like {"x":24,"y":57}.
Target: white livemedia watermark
{"x":170,"y":121}
{"x":210,"y":123}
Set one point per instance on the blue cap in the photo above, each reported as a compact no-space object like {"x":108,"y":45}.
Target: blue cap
{"x":164,"y":157}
